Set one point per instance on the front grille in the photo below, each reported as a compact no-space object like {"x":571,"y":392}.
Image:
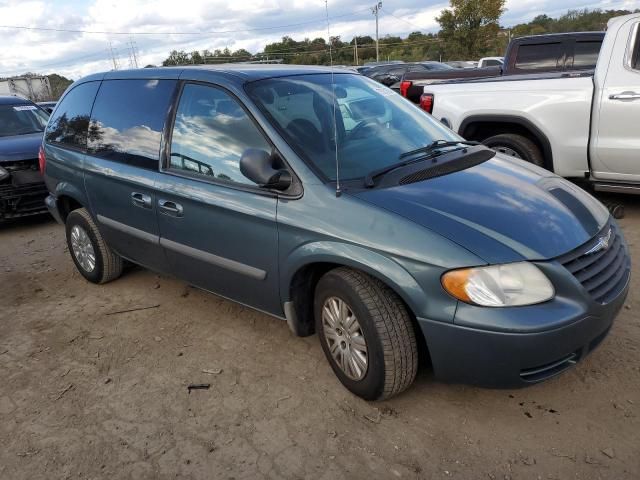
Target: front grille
{"x":23,"y":193}
{"x":602,"y":272}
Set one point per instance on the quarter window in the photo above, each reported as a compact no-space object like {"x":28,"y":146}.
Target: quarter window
{"x":585,"y":55}
{"x":210,"y":134}
{"x":127,"y":121}
{"x":542,"y":56}
{"x":70,"y":122}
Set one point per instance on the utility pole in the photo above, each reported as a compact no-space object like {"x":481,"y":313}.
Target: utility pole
{"x":356,"y":50}
{"x":134,"y":52}
{"x":375,"y":11}
{"x":113,"y":56}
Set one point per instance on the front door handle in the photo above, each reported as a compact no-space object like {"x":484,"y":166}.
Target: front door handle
{"x":170,"y":208}
{"x":141,"y":200}
{"x":625,"y":96}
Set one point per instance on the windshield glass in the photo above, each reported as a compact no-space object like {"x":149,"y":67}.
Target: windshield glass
{"x":21,"y":119}
{"x":374,"y":125}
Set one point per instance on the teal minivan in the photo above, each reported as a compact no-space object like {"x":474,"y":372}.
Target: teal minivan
{"x":321,"y":197}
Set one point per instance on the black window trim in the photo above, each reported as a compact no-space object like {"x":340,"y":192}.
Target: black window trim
{"x":294,"y":192}
{"x":67,"y":146}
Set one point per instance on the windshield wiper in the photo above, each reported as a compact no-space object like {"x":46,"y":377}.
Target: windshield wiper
{"x":430,"y":150}
{"x":435,"y":145}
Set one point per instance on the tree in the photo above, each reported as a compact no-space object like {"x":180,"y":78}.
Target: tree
{"x":469,"y":28}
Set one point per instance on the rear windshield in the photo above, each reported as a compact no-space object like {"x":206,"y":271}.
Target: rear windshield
{"x":373,"y":127}
{"x":21,"y":119}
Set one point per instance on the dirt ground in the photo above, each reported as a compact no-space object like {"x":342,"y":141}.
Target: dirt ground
{"x":86,"y":392}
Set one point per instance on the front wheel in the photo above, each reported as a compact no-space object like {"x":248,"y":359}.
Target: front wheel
{"x":366,"y":334}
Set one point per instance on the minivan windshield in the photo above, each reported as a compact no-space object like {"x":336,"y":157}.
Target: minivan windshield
{"x":21,"y":119}
{"x":373,"y":127}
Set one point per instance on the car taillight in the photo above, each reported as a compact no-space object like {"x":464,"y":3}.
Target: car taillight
{"x":426,"y":102}
{"x":42,"y":159}
{"x":404,"y":87}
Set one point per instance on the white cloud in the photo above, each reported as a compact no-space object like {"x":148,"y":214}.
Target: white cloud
{"x":251,"y":22}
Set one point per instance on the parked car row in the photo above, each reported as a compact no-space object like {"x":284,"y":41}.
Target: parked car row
{"x":562,"y":53}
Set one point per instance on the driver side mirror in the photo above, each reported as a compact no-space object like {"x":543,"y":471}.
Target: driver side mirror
{"x":257,"y":166}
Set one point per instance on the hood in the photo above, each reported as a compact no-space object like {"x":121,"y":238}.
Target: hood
{"x":502,"y":210}
{"x":20,"y":147}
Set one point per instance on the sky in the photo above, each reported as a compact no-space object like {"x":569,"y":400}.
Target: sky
{"x":155,"y":27}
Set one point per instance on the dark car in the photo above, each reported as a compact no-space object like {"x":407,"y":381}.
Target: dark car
{"x":392,"y":73}
{"x":321,"y":197}
{"x":47,"y":106}
{"x":22,"y":189}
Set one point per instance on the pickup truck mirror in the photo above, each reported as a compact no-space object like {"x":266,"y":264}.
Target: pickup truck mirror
{"x":258,"y":166}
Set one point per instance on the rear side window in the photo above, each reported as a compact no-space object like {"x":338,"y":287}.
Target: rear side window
{"x":69,"y":124}
{"x":127,"y":121}
{"x":585,"y":55}
{"x":210,"y":134}
{"x":542,"y":56}
{"x":492,"y":63}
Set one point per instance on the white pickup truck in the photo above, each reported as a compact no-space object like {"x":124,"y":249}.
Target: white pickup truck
{"x":577,"y":124}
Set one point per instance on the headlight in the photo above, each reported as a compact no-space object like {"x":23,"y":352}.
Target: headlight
{"x":3,"y":174}
{"x":509,"y":285}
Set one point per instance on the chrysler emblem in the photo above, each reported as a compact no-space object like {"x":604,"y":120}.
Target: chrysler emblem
{"x":603,"y":243}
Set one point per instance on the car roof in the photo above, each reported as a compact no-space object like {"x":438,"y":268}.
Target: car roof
{"x":11,"y":100}
{"x":242,"y":72}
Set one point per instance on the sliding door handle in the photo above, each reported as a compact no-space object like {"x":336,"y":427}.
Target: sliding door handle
{"x":141,"y":200}
{"x":170,"y":208}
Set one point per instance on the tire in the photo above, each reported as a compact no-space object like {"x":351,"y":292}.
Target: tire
{"x":509,"y":143}
{"x":383,"y":323}
{"x":107,"y":265}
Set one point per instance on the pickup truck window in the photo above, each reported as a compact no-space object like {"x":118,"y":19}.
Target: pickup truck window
{"x":540,"y":56}
{"x":585,"y":55}
{"x":374,"y":126}
{"x":70,"y":122}
{"x":127,"y":121}
{"x":210,"y":133}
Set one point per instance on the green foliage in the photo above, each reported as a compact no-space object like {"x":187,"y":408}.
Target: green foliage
{"x":469,"y":30}
{"x":58,"y":85}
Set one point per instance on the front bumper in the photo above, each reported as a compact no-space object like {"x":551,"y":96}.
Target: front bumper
{"x":20,"y":198}
{"x":502,"y":359}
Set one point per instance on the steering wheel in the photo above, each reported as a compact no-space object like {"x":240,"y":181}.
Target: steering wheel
{"x":358,"y":129}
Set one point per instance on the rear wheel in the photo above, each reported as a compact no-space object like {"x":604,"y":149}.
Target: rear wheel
{"x":366,"y":334}
{"x":516,"y":146}
{"x":92,"y":256}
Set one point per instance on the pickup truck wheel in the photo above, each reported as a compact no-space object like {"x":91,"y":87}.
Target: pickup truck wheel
{"x":517,"y":146}
{"x":92,"y":256}
{"x":366,"y":334}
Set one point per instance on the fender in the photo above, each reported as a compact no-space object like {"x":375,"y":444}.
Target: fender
{"x":69,"y":190}
{"x":521,"y":121}
{"x":368,"y":261}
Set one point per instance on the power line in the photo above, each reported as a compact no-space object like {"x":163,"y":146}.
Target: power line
{"x":210,"y":32}
{"x":402,"y":20}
